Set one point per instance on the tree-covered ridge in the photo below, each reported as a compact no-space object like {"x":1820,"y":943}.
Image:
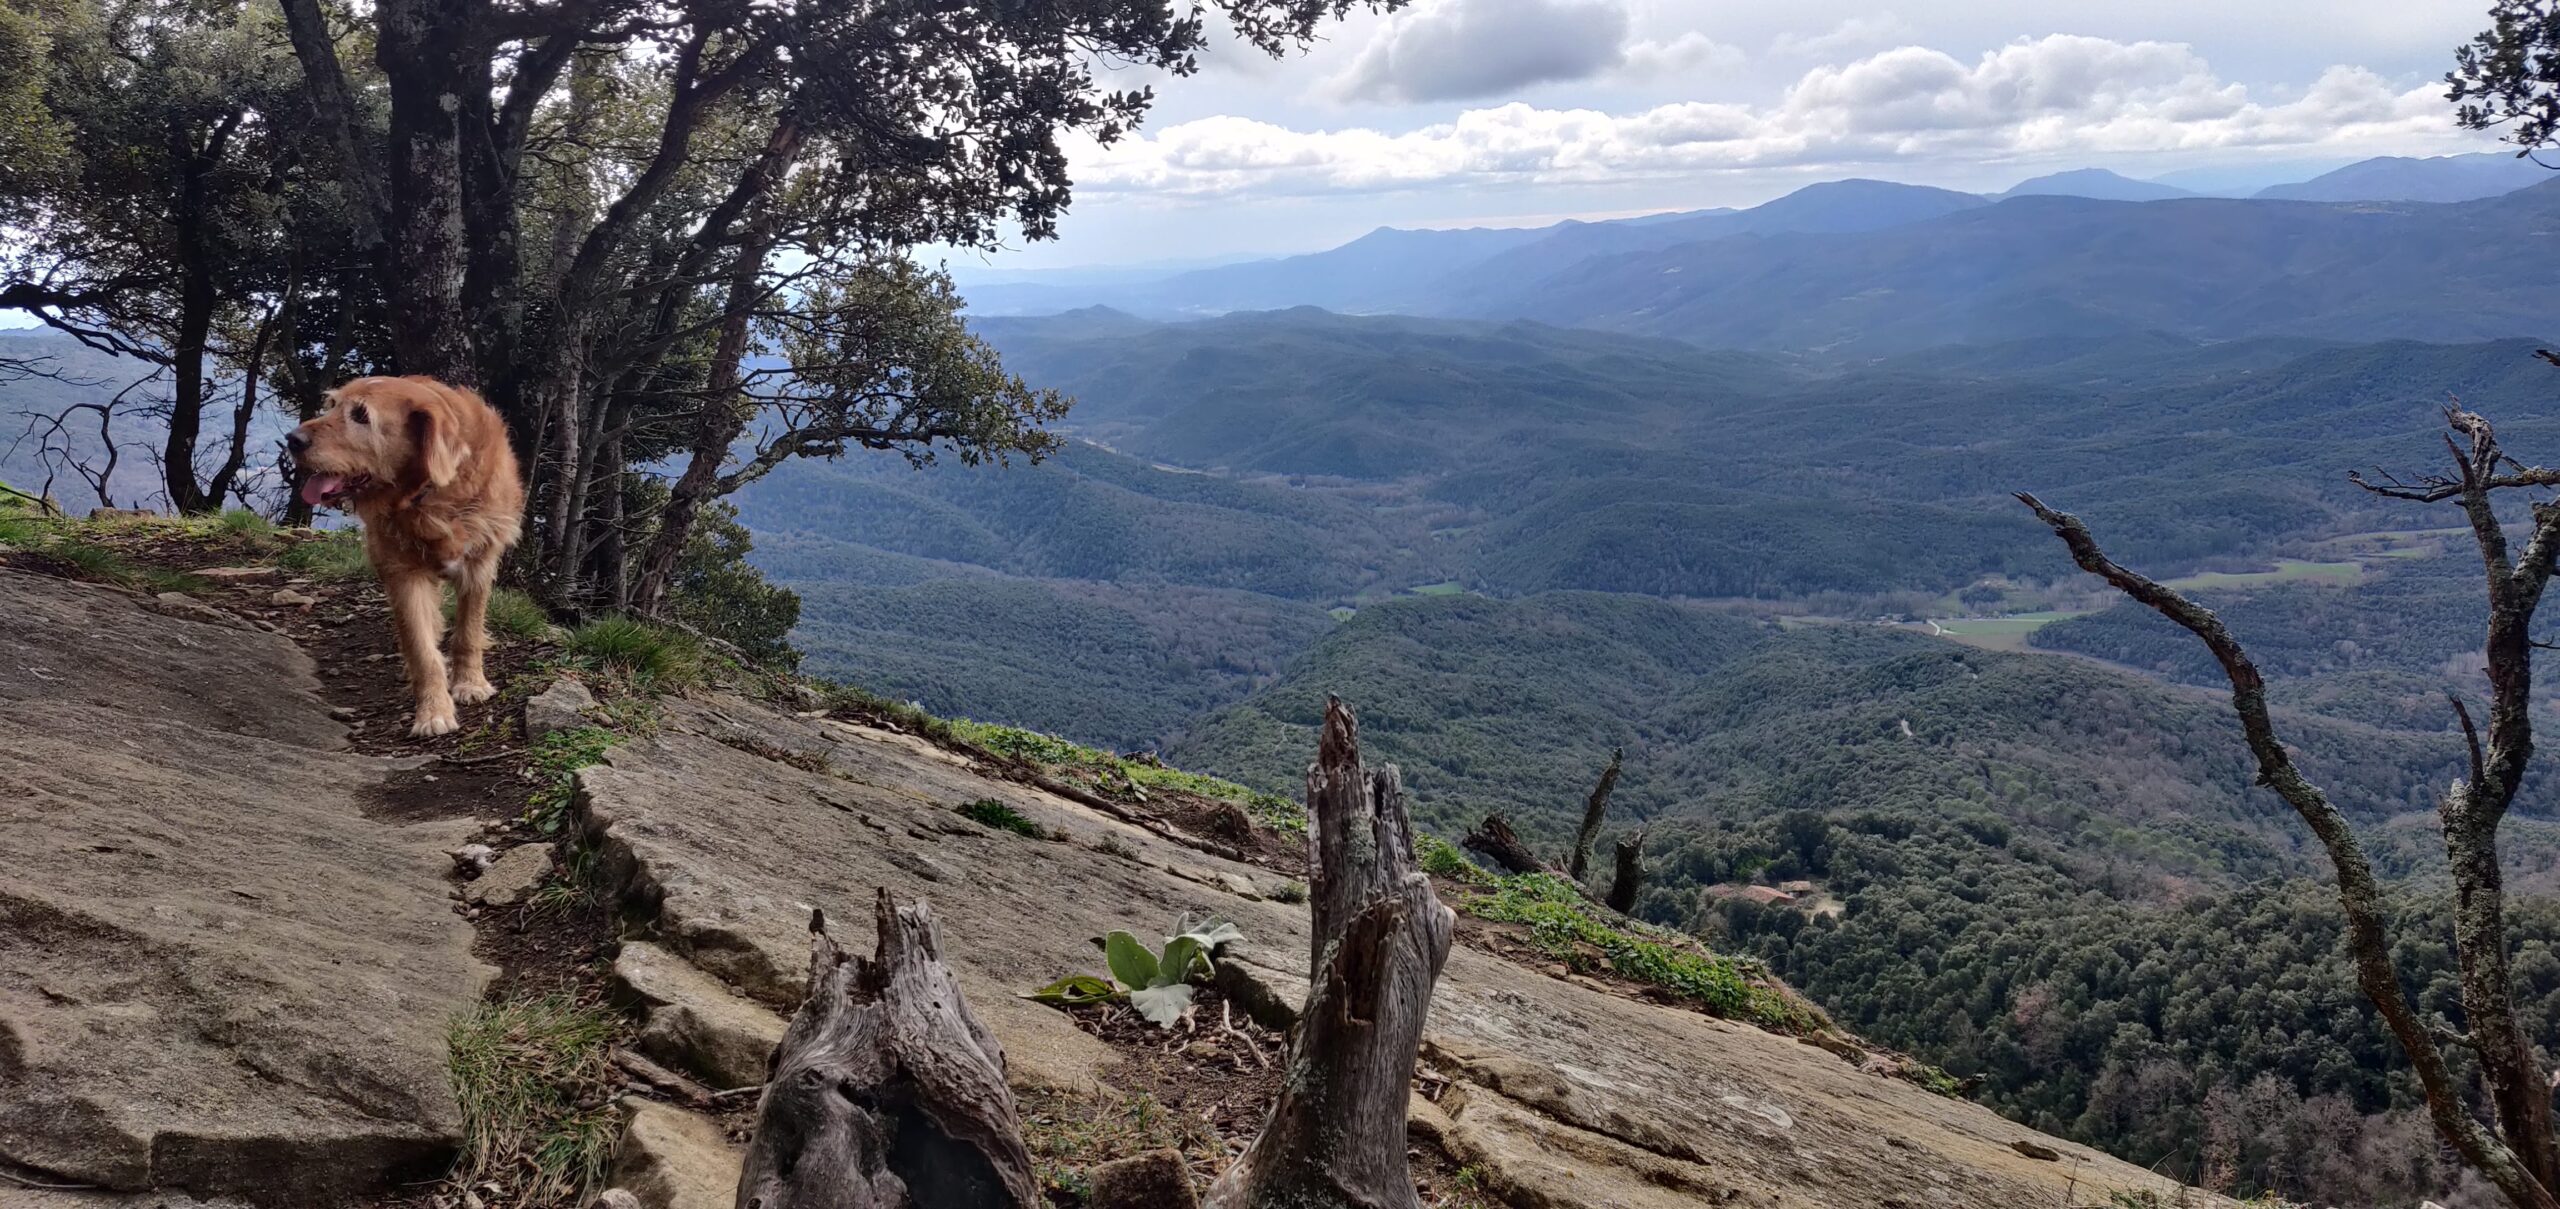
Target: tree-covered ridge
{"x":2049,"y":875}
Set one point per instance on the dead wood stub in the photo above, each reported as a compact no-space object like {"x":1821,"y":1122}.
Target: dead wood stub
{"x":887,"y":1092}
{"x":1336,"y":1137}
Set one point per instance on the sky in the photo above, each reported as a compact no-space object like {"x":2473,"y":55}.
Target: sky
{"x":1523,"y":112}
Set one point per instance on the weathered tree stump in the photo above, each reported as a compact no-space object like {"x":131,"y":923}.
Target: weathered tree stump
{"x":886,"y":1092}
{"x":1336,"y":1137}
{"x":1630,"y":878}
{"x":1593,"y":812}
{"x":1503,"y":846}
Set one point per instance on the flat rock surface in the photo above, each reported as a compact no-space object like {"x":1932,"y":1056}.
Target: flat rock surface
{"x":216,"y":972}
{"x":737,"y":820}
{"x":75,"y":643}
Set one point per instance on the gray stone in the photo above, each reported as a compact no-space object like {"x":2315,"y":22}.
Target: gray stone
{"x":288,"y":598}
{"x":87,"y":645}
{"x":1157,"y":1179}
{"x":1271,"y":996}
{"x":1562,"y":1094}
{"x":695,"y":1023}
{"x":238,"y":575}
{"x":563,"y":706}
{"x":510,"y":878}
{"x":673,"y":1159}
{"x":216,"y":971}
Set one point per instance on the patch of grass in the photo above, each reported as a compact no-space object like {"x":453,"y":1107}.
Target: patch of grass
{"x":1447,"y":587}
{"x":1563,"y":927}
{"x":1034,"y":747}
{"x":553,"y":763}
{"x":332,"y":557}
{"x":240,"y":522}
{"x":989,"y":812}
{"x":581,"y":881}
{"x":512,"y":614}
{"x":1441,"y":859}
{"x":517,"y":615}
{"x":1290,"y":892}
{"x":906,"y":715}
{"x":535,"y":1081}
{"x":1071,"y":1133}
{"x":652,"y":658}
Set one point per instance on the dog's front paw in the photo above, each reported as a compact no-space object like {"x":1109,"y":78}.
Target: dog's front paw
{"x":434,"y":718}
{"x":472,"y":691}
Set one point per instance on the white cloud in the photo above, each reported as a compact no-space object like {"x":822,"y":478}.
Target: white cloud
{"x":1459,"y":50}
{"x":1692,"y":51}
{"x":1855,"y":33}
{"x":1449,"y":50}
{"x":2030,"y":99}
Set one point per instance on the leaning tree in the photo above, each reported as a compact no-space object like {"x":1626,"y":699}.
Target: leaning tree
{"x":2517,"y":1151}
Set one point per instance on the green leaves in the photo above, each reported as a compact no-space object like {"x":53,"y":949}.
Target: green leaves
{"x":1075,"y":990}
{"x":1130,"y":961}
{"x":1156,"y":985}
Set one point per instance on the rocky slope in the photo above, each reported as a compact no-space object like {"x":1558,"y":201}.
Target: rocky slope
{"x":227,"y":968}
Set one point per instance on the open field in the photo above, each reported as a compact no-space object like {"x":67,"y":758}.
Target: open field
{"x":2287,"y":570}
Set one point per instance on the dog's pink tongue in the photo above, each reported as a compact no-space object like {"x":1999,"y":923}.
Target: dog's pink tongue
{"x":316,"y":489}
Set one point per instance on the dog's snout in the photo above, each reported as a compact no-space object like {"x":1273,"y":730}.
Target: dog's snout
{"x":296,"y":442}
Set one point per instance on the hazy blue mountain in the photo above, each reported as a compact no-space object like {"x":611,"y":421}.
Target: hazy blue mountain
{"x":2443,"y":178}
{"x":2097,"y":183}
{"x":1832,"y":207}
{"x":2042,"y":267}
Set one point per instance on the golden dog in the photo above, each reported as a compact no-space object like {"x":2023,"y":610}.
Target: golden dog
{"x":427,"y":467}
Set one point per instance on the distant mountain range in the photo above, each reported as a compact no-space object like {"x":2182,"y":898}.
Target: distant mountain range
{"x":2445,"y":178}
{"x":1894,"y":266}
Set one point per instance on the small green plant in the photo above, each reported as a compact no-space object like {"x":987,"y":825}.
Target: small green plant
{"x":332,"y":557}
{"x":240,"y":522}
{"x":653,"y":658}
{"x":1439,"y":859}
{"x":553,"y":763}
{"x":1290,"y":892}
{"x":1156,"y":984}
{"x":534,"y":1078}
{"x":511,"y":613}
{"x":992,"y":813}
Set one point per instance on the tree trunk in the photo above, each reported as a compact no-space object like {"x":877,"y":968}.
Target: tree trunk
{"x":886,"y":1091}
{"x":424,"y":50}
{"x":1336,"y":1137}
{"x":1593,"y":812}
{"x":1630,"y":879}
{"x":723,"y":420}
{"x":1503,"y":846}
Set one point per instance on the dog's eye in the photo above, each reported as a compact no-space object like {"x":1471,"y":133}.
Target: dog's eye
{"x":359,"y":415}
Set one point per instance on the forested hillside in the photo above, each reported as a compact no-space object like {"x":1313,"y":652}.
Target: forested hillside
{"x":2049,"y":875}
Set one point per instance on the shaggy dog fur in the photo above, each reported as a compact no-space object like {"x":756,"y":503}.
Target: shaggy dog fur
{"x":427,"y":467}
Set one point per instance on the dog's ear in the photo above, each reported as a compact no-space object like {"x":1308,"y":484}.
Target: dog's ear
{"x":435,"y":425}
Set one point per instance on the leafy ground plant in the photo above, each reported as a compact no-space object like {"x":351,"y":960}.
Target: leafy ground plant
{"x":1156,"y":984}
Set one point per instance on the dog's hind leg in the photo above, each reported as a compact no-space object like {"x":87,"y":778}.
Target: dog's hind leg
{"x":417,"y":608}
{"x":471,"y":632}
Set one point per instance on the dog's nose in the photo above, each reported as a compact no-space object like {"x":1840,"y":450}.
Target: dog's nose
{"x":296,"y":442}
